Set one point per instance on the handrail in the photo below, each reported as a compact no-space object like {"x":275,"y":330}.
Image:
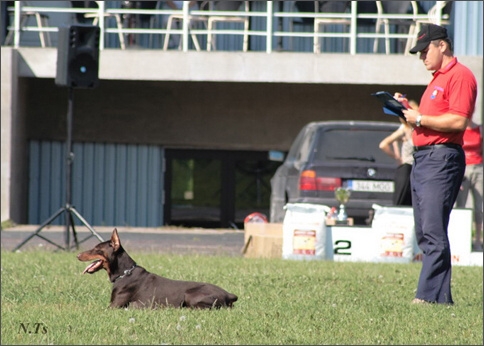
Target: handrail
{"x":270,"y":14}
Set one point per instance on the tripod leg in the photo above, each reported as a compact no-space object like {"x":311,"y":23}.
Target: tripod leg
{"x":84,"y":222}
{"x":51,"y":242}
{"x":74,"y":233}
{"x":38,"y":230}
{"x":67,"y":221}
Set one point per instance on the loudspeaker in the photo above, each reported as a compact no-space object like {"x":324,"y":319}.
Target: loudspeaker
{"x":78,"y":56}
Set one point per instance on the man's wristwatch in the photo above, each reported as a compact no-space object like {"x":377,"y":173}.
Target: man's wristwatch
{"x":418,"y":121}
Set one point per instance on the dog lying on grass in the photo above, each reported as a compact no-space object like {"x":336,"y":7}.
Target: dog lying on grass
{"x":135,"y":287}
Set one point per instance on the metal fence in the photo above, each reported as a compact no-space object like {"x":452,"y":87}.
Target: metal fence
{"x":114,"y":184}
{"x":271,"y":25}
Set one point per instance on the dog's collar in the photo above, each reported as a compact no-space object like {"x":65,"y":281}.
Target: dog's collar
{"x":127,"y":272}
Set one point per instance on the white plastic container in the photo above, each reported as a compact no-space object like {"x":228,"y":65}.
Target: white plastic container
{"x":304,"y":231}
{"x":394,"y":234}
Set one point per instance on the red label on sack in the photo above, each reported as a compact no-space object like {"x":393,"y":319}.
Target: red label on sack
{"x":304,"y":242}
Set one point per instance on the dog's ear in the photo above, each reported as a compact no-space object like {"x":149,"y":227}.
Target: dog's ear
{"x":115,"y":242}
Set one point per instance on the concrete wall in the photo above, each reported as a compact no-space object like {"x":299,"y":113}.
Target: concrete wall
{"x":8,"y":88}
{"x":252,"y":67}
{"x":14,"y":187}
{"x":223,"y":115}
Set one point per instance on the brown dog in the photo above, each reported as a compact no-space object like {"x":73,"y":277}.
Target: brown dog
{"x":133,"y":286}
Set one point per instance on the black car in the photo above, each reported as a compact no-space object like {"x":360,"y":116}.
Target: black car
{"x":331,"y":154}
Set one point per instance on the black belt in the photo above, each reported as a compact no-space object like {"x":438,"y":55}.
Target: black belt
{"x":436,"y":146}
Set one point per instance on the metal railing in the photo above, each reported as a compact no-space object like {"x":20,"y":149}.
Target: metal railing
{"x":270,"y":14}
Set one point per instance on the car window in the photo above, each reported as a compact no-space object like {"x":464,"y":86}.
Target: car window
{"x":293,"y":151}
{"x":300,"y":148}
{"x":305,"y":148}
{"x":351,"y":145}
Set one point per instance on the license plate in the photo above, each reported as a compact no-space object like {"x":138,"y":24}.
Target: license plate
{"x":371,"y":185}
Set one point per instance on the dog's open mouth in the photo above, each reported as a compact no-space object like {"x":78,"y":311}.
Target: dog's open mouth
{"x":93,"y":267}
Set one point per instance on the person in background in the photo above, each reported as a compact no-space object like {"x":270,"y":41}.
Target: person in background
{"x":138,"y":20}
{"x":473,"y":181}
{"x":446,"y":107}
{"x":399,"y":145}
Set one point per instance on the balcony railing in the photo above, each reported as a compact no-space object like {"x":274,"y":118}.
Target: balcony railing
{"x":268,"y":24}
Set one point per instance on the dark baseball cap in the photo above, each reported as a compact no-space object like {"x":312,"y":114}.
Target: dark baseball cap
{"x":428,"y":33}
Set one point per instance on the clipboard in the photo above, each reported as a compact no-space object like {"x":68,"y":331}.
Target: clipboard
{"x":390,"y":105}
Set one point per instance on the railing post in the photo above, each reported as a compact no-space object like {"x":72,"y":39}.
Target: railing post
{"x":101,"y":23}
{"x":16,"y":23}
{"x":186,"y":24}
{"x":353,"y":27}
{"x":269,"y":29}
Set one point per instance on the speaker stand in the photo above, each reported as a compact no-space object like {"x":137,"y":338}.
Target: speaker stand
{"x":68,"y":209}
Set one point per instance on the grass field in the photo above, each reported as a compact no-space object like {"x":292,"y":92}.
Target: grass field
{"x":46,"y":300}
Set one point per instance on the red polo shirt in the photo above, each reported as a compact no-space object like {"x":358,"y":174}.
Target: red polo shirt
{"x":473,"y":145}
{"x":453,"y":89}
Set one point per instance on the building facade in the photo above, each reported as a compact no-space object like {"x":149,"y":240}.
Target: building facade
{"x":185,"y":137}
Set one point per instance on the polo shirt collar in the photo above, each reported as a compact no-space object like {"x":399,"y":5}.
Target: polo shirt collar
{"x":447,"y":68}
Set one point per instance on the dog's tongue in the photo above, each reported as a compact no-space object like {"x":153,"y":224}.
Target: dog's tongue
{"x":93,"y":267}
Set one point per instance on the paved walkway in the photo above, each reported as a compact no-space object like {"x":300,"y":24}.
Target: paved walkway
{"x":160,"y":240}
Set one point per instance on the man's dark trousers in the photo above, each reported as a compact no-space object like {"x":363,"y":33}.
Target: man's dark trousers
{"x":436,"y":178}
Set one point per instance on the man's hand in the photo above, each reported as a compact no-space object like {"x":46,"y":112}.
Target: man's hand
{"x":411,"y":116}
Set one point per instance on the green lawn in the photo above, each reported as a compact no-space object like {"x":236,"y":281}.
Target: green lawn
{"x":46,"y":300}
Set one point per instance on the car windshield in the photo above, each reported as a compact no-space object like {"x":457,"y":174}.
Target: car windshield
{"x":352,"y":145}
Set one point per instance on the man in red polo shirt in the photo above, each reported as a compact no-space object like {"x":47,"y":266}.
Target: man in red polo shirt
{"x":446,"y":107}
